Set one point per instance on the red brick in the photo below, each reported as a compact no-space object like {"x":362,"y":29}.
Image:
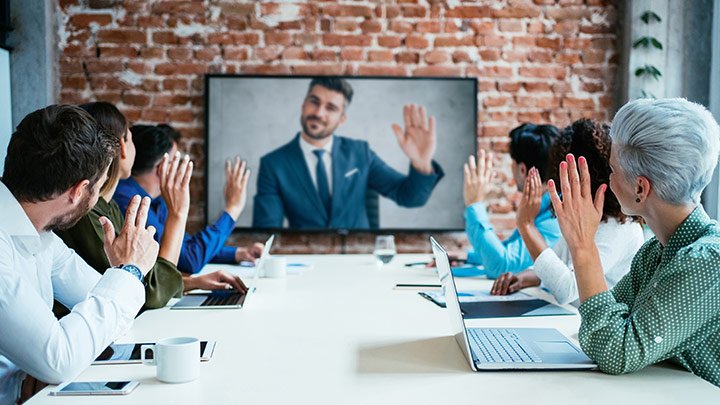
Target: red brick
{"x":424,"y":27}
{"x":490,"y":71}
{"x":561,"y":87}
{"x":502,"y":116}
{"x":514,"y":56}
{"x":535,"y":27}
{"x":346,"y":40}
{"x":165,"y":37}
{"x":532,"y":87}
{"x":491,"y":40}
{"x":264,"y":69}
{"x":294,"y":52}
{"x":169,"y":100}
{"x":547,"y":72}
{"x":568,"y":13}
{"x":436,"y":56}
{"x":413,"y":11}
{"x":592,"y":73}
{"x":400,"y":26}
{"x":489,"y":54}
{"x":540,"y":56}
{"x":118,"y":52}
{"x":375,"y":70}
{"x":110,"y":97}
{"x":383,"y":55}
{"x":371,"y":26}
{"x":482,"y":27}
{"x":123,"y":36}
{"x":235,"y":53}
{"x":323,"y":55}
{"x":154,"y":115}
{"x":494,"y":131}
{"x":449,"y":71}
{"x":392,"y":11}
{"x":233,"y":7}
{"x":139,"y":67}
{"x":182,"y":116}
{"x":179,"y":53}
{"x":510,"y":25}
{"x":529,"y":116}
{"x":154,"y":52}
{"x":173,"y":7}
{"x":454,"y":41}
{"x":78,"y":50}
{"x":101,"y":66}
{"x":552,"y":43}
{"x":593,"y":57}
{"x":84,"y":20}
{"x":576,"y":102}
{"x":567,"y":27}
{"x":567,"y":58}
{"x":150,"y":21}
{"x":277,"y":38}
{"x":306,"y":39}
{"x":73,"y":82}
{"x":596,"y":29}
{"x":136,"y":100}
{"x":592,"y":87}
{"x":576,"y":43}
{"x":510,"y":87}
{"x":469,"y":12}
{"x":408,"y":57}
{"x":241,"y":38}
{"x":207,"y":53}
{"x":289,"y":25}
{"x":486,"y":85}
{"x":460,"y":57}
{"x":181,"y":68}
{"x":517,"y":12}
{"x":346,"y":10}
{"x":389,"y":41}
{"x":346,"y":25}
{"x":107,"y":83}
{"x":175,"y":84}
{"x":332,"y":69}
{"x":451,"y":27}
{"x":416,"y":41}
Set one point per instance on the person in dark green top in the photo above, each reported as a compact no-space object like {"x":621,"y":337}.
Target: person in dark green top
{"x":668,"y":306}
{"x":88,"y":236}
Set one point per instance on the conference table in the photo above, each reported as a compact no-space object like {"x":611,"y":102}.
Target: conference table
{"x":339,"y":332}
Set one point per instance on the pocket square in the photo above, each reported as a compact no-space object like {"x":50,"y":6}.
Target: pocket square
{"x":351,"y":172}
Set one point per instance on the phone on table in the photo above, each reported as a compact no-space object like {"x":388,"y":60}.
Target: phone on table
{"x":96,"y":388}
{"x":129,"y":353}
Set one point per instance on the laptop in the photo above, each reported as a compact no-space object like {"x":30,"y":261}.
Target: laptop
{"x":224,"y":299}
{"x":506,"y":348}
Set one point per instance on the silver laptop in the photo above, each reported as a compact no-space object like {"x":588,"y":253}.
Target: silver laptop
{"x":223,"y":299}
{"x":506,"y":348}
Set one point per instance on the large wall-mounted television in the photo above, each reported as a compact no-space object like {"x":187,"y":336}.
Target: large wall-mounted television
{"x":369,"y":182}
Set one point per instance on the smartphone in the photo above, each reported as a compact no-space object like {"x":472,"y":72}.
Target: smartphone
{"x":129,"y":353}
{"x":96,"y":388}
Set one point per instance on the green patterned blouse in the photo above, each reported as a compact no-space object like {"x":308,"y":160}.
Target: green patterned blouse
{"x":666,"y":307}
{"x":162,"y":282}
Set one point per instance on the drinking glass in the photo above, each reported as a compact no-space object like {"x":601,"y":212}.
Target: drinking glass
{"x":384,"y":248}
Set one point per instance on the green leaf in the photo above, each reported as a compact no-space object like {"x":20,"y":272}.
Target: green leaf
{"x":640,"y":72}
{"x":641,"y":42}
{"x":649,"y":15}
{"x":656,"y":43}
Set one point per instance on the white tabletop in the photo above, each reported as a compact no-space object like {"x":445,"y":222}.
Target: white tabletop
{"x":339,"y":333}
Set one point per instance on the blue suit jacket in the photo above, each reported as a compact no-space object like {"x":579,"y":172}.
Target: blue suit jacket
{"x":285,"y":188}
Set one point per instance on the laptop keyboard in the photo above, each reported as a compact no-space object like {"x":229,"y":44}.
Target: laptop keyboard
{"x":222,"y":298}
{"x":501,"y":346}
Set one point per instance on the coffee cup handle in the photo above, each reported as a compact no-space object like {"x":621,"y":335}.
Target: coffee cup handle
{"x":148,"y":362}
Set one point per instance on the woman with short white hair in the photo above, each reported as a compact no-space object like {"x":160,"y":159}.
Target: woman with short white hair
{"x":668,"y":305}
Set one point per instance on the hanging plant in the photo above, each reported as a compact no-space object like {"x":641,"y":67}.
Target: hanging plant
{"x":648,"y":42}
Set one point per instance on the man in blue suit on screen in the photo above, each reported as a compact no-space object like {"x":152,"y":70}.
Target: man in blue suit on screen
{"x":319,"y":180}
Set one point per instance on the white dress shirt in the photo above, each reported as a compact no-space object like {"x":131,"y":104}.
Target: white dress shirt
{"x":617,"y":244}
{"x":311,"y":160}
{"x":34,"y":269}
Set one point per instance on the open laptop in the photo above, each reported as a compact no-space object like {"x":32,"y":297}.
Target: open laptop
{"x":222,"y":299}
{"x":506,"y":348}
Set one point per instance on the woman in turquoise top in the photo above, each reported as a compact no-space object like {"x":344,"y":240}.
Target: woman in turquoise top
{"x":668,"y":306}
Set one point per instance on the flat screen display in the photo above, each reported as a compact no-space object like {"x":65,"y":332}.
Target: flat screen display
{"x":370,"y":181}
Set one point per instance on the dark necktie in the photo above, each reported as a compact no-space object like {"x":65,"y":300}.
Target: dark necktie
{"x":322,"y":180}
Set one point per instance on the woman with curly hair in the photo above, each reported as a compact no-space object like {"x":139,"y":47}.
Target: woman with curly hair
{"x":618,"y":236}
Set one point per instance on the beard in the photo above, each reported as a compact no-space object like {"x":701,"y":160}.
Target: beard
{"x":321,"y":134}
{"x":69,"y":219}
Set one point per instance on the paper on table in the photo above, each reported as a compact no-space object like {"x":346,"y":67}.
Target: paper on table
{"x":293,"y":268}
{"x":478,"y":296}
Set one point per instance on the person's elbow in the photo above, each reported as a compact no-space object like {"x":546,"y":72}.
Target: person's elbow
{"x":58,"y":371}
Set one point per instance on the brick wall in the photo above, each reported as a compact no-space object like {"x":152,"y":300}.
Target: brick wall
{"x":545,"y":61}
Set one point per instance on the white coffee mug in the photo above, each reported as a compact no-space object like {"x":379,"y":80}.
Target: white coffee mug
{"x":275,"y":267}
{"x":177,"y":359}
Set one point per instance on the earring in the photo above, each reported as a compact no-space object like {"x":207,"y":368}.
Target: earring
{"x":637,"y":200}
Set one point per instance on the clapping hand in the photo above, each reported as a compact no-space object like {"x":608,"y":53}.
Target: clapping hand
{"x":219,"y":280}
{"x":578,"y":215}
{"x":417,"y":140}
{"x":249,"y":254}
{"x":175,"y":174}
{"x":478,"y":178}
{"x":235,"y":187}
{"x":529,"y":206}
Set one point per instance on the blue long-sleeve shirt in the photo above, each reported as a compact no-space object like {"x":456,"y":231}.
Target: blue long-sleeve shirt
{"x":510,"y":255}
{"x":197,"y":250}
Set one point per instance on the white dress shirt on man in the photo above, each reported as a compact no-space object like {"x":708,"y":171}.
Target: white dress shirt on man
{"x":34,"y":269}
{"x":311,"y":160}
{"x":617,"y":244}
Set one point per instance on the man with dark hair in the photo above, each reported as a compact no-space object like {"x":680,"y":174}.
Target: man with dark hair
{"x":152,"y":143}
{"x":529,"y":147}
{"x":56,"y":162}
{"x":319,"y":180}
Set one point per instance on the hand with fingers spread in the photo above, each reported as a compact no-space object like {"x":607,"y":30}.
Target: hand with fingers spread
{"x":509,"y":283}
{"x":134,"y":244}
{"x":249,"y":254}
{"x":237,"y":177}
{"x":478,"y":178}
{"x":578,"y":215}
{"x":531,"y":199}
{"x":219,"y":280}
{"x":175,"y":174}
{"x":417,"y":140}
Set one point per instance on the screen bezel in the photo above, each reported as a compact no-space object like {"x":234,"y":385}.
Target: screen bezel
{"x":129,"y":387}
{"x":340,"y":231}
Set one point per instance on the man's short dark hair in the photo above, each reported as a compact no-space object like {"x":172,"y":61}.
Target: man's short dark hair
{"x":54,"y":149}
{"x":336,"y":84}
{"x":151,"y":143}
{"x":530,"y":144}
{"x":115,"y":124}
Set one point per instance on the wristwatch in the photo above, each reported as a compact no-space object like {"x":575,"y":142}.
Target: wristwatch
{"x":132,"y":269}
